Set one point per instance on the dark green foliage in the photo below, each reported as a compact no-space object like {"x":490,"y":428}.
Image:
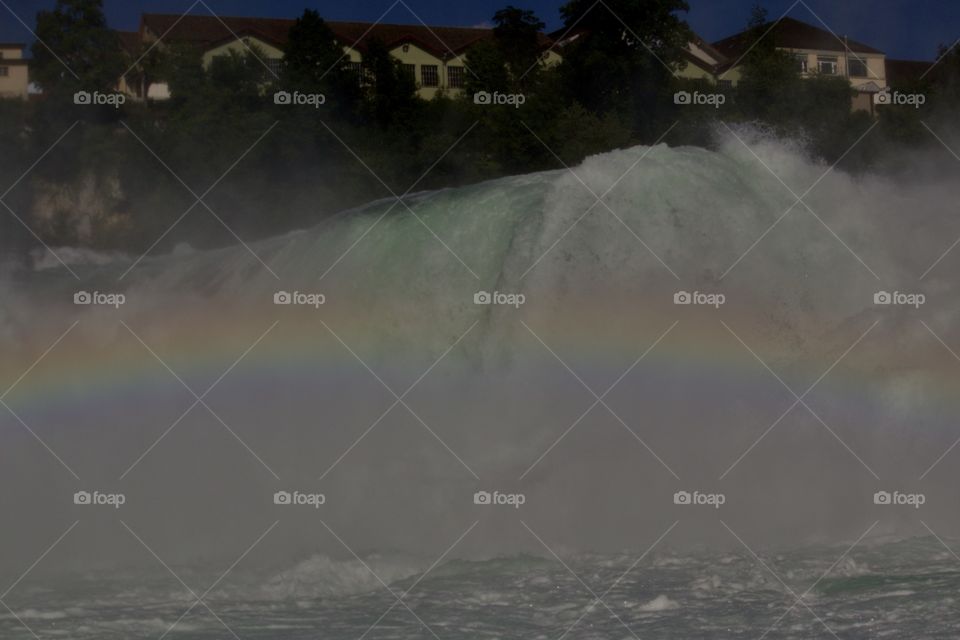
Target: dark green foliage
{"x":624,"y":54}
{"x":315,"y":63}
{"x":74,"y":39}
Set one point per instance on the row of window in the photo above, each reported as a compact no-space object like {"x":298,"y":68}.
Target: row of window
{"x":429,"y":74}
{"x":828,"y":65}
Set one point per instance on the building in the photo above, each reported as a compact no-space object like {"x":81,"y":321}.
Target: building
{"x":702,"y":60}
{"x":817,"y":52}
{"x":435,"y":56}
{"x":14,"y":75}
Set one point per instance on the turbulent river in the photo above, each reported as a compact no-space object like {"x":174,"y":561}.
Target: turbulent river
{"x":669,"y":393}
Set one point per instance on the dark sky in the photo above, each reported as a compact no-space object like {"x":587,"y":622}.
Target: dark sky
{"x":903,"y":28}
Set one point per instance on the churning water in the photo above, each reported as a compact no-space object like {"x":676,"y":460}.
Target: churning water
{"x":654,"y":468}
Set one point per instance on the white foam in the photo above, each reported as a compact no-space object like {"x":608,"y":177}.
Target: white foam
{"x":660,"y":603}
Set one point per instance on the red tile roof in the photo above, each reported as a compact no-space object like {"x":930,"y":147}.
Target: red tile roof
{"x":206,"y":31}
{"x":789,"y":33}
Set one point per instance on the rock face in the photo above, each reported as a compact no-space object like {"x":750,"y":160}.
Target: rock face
{"x":85,"y":211}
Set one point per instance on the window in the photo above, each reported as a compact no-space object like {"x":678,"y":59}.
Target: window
{"x":411,"y":71}
{"x":725,"y":84}
{"x":827,"y":65}
{"x":858,"y":67}
{"x":429,"y":76}
{"x":801,"y":59}
{"x":4,"y":72}
{"x":455,"y":79}
{"x":275,"y":65}
{"x":356,"y":68}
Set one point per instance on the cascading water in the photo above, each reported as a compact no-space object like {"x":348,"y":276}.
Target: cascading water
{"x":583,"y":387}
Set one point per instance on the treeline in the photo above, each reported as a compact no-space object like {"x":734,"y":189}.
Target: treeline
{"x":126,"y":174}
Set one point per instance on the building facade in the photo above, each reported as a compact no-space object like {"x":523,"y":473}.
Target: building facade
{"x":816,"y":52}
{"x":14,"y":74}
{"x":434,"y":56}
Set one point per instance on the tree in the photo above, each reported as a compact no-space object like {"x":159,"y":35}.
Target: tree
{"x":74,"y":39}
{"x":487,"y":69}
{"x":314,"y":62}
{"x":770,"y":77}
{"x":517,"y":34}
{"x":391,"y":89}
{"x":624,"y":57}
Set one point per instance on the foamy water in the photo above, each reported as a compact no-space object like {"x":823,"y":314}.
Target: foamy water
{"x":589,"y":400}
{"x":889,"y":590}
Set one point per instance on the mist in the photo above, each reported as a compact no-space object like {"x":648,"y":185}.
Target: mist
{"x":502,"y":400}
